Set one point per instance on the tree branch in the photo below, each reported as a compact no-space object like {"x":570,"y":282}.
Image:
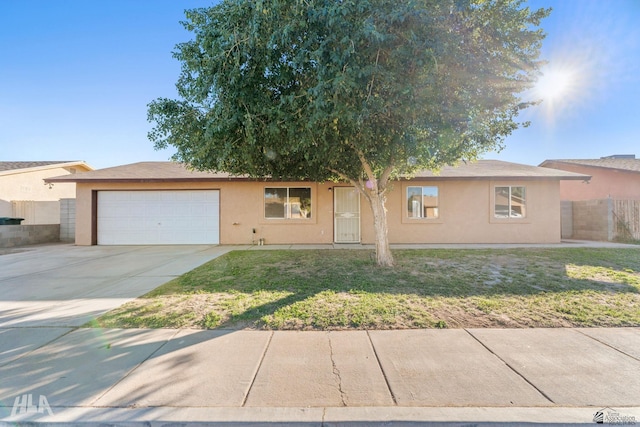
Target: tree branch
{"x":386,"y":174}
{"x":363,"y":161}
{"x":359,"y":184}
{"x":373,"y":77}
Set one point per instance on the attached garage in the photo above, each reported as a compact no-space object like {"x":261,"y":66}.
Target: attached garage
{"x":158,"y":217}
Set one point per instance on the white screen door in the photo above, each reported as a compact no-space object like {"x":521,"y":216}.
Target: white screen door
{"x":346,"y":213}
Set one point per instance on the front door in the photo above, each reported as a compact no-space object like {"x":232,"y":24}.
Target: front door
{"x":346,"y":213}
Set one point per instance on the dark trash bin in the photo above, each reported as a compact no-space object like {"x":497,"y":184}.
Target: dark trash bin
{"x":10,"y":221}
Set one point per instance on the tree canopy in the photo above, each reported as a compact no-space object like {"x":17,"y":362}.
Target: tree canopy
{"x":360,"y":90}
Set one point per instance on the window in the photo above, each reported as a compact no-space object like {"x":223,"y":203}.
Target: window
{"x":422,"y":202}
{"x":287,"y":203}
{"x":510,"y":202}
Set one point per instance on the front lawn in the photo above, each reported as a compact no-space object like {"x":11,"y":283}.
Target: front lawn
{"x":343,"y":289}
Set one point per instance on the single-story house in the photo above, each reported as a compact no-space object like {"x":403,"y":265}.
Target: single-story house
{"x":24,"y":194}
{"x":612,"y":177}
{"x":487,"y":201}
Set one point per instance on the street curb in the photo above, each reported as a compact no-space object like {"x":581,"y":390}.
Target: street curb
{"x":322,"y":416}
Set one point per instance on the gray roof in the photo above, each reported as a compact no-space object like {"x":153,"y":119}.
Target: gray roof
{"x":622,"y":164}
{"x":172,"y":171}
{"x":7,"y":166}
{"x":497,"y":169}
{"x":143,"y":172}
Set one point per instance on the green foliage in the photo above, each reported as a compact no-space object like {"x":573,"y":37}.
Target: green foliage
{"x":353,"y":89}
{"x":359,"y":90}
{"x":211,"y":320}
{"x":441,"y":324}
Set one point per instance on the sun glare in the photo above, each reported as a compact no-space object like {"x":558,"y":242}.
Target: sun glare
{"x":561,"y":88}
{"x":553,"y":85}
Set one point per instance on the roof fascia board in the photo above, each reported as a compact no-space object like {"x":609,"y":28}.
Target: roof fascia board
{"x":498,"y":177}
{"x":239,"y":179}
{"x":42,"y":168}
{"x":145,"y":180}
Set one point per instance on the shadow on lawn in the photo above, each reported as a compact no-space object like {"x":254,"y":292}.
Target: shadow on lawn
{"x":303,"y":275}
{"x":334,"y":289}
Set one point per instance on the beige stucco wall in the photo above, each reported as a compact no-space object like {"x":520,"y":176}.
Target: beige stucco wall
{"x":21,"y":193}
{"x":466,"y":213}
{"x":604,"y":183}
{"x":30,"y":186}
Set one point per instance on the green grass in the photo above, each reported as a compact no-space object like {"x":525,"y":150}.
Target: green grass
{"x":343,"y":289}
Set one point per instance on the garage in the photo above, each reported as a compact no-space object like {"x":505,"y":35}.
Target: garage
{"x":158,"y":217}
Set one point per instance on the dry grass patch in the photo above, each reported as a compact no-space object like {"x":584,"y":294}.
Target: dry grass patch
{"x":343,"y":289}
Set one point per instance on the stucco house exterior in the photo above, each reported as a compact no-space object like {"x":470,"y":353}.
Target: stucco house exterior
{"x":165,"y":203}
{"x":612,"y":177}
{"x":24,"y":194}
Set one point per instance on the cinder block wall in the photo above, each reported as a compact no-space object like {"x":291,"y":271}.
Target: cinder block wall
{"x":20,"y":235}
{"x":67,"y":220}
{"x":593,"y":220}
{"x":566,"y":213}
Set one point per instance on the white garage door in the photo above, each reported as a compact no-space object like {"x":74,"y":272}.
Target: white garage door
{"x":158,"y":217}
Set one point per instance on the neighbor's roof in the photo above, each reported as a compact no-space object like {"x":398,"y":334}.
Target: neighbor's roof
{"x":623,"y":164}
{"x":7,"y":168}
{"x":171,"y":171}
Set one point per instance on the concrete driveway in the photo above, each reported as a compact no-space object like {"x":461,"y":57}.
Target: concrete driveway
{"x":65,"y":285}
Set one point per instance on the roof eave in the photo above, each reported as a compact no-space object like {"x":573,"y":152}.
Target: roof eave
{"x":573,"y":176}
{"x":500,"y":177}
{"x":67,"y":178}
{"x":54,"y":180}
{"x":51,"y":166}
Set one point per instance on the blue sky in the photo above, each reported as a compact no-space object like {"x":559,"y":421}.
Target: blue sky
{"x":76,"y":77}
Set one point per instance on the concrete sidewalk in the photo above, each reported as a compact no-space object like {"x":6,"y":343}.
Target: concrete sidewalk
{"x":319,"y":378}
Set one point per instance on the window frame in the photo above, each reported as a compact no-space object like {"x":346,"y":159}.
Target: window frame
{"x":405,"y":215}
{"x":422,"y":207}
{"x":287,"y":204}
{"x":510,"y":217}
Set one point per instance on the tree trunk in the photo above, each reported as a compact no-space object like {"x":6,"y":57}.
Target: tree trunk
{"x":375,"y":192}
{"x":384,"y":257}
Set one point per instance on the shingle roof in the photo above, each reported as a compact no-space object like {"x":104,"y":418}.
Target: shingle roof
{"x":496,"y":169}
{"x":7,"y":166}
{"x":142,"y":172}
{"x":623,"y":164}
{"x":171,"y":171}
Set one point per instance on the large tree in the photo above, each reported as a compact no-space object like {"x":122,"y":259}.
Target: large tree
{"x":364,"y":91}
